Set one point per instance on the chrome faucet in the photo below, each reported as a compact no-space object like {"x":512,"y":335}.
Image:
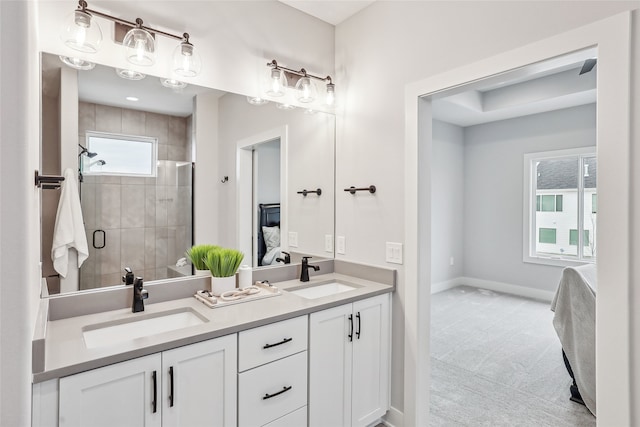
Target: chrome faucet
{"x":139,"y":294}
{"x":304,"y":273}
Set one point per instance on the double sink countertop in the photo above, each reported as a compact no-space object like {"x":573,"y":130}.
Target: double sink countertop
{"x":65,"y":351}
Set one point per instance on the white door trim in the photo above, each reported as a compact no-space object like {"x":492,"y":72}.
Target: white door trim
{"x":611,"y":36}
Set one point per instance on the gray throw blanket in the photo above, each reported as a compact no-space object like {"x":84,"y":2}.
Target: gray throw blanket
{"x":575,"y":323}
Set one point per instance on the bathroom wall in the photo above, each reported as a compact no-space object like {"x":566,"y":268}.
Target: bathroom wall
{"x":147,"y":221}
{"x":378,"y":52}
{"x":267,"y":159}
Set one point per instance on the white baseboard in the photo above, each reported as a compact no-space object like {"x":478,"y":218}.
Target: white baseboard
{"x":507,"y":288}
{"x":393,"y":418}
{"x":447,"y":284}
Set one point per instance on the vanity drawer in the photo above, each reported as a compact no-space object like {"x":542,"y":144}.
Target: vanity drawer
{"x":271,"y":391}
{"x":271,"y":342}
{"x":297,"y":418}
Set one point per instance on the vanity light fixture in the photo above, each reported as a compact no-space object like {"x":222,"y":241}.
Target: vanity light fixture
{"x":306,"y":91}
{"x":77,"y":63}
{"x":82,"y":33}
{"x":285,"y":106}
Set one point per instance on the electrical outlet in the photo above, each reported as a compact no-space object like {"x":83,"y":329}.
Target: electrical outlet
{"x":340,"y":245}
{"x":328,"y":243}
{"x":293,"y":239}
{"x":394,"y":253}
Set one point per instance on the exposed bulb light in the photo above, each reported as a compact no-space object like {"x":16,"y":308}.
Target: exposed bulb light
{"x":173,"y":83}
{"x":77,"y":63}
{"x":186,"y":60}
{"x":256,"y":100}
{"x":285,"y":106}
{"x":306,"y":90}
{"x":277,"y":82}
{"x":81,"y":32}
{"x":130,"y":74}
{"x":331,"y":94}
{"x":140,"y":48}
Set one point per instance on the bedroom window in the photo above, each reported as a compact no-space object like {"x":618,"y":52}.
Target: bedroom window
{"x":560,"y":205}
{"x":124,"y":155}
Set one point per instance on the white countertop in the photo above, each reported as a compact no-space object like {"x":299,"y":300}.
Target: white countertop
{"x":66,"y":353}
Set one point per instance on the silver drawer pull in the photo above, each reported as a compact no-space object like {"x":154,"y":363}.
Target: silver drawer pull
{"x":269,"y":396}
{"x":284,"y":341}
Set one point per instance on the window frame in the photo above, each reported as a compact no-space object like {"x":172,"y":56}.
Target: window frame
{"x":529,"y":235}
{"x":122,"y":137}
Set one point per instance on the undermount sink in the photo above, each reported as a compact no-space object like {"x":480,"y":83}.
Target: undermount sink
{"x":319,"y":291}
{"x":120,"y":331}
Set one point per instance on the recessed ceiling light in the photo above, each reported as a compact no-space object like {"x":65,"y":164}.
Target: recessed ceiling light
{"x":132,"y":98}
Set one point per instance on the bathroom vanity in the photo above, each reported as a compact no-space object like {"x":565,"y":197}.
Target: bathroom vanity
{"x":317,"y":354}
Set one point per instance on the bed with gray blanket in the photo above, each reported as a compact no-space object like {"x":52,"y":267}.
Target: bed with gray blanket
{"x":574,"y":320}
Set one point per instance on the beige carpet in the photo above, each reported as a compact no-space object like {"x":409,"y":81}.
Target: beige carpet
{"x":496,"y":361}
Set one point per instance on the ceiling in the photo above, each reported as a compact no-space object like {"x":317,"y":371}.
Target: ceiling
{"x":331,"y":11}
{"x":546,"y":86}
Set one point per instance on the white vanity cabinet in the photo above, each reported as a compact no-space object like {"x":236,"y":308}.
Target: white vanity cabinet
{"x":349,"y":354}
{"x":194,"y":385}
{"x":272,"y":378}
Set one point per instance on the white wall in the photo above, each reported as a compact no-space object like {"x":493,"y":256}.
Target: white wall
{"x":447,"y":201}
{"x":267,"y":158}
{"x":494,"y":154}
{"x":379,"y":51}
{"x":19,"y":213}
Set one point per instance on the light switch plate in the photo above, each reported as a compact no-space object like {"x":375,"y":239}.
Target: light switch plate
{"x":328,"y":243}
{"x":340,"y":245}
{"x":293,"y":239}
{"x":394,"y":253}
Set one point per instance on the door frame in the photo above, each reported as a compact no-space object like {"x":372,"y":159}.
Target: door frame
{"x":611,"y":36}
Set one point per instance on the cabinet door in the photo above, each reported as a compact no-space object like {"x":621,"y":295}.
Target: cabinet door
{"x":371,"y":355}
{"x":330,"y":367}
{"x":117,"y":395}
{"x":200,"y":384}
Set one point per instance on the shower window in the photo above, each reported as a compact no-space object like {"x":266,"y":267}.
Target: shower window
{"x":122,"y":155}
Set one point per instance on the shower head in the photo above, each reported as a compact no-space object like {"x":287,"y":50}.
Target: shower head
{"x":86,"y":152}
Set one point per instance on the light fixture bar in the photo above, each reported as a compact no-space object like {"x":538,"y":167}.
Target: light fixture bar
{"x":82,"y":5}
{"x":302,"y":72}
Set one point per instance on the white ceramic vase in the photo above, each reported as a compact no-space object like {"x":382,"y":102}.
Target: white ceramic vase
{"x":202,"y":272}
{"x":222,"y":284}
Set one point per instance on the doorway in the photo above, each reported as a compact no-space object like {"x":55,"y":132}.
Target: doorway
{"x":611,"y":37}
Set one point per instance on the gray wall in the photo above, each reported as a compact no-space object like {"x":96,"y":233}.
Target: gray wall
{"x":493,"y":183}
{"x":447,"y":201}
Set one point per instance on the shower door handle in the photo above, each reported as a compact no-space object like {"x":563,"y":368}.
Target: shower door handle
{"x":104,"y":239}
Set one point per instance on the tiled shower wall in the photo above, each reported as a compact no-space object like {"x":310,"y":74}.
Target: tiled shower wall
{"x":147,"y":221}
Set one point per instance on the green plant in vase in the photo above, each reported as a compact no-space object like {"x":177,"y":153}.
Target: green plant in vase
{"x":223,"y":263}
{"x":198,"y":253}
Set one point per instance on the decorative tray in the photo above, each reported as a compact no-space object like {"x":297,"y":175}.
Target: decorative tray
{"x":258,"y":291}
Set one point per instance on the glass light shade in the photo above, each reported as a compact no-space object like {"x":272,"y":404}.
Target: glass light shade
{"x":81,"y":32}
{"x":130,"y":74}
{"x":77,"y":63}
{"x":140,"y":47}
{"x":256,"y":100}
{"x":186,"y":60}
{"x":331,"y":94}
{"x":306,"y":90}
{"x":276,"y":82}
{"x":173,"y":83}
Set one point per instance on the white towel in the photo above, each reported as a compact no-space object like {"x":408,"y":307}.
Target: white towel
{"x":69,"y":229}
